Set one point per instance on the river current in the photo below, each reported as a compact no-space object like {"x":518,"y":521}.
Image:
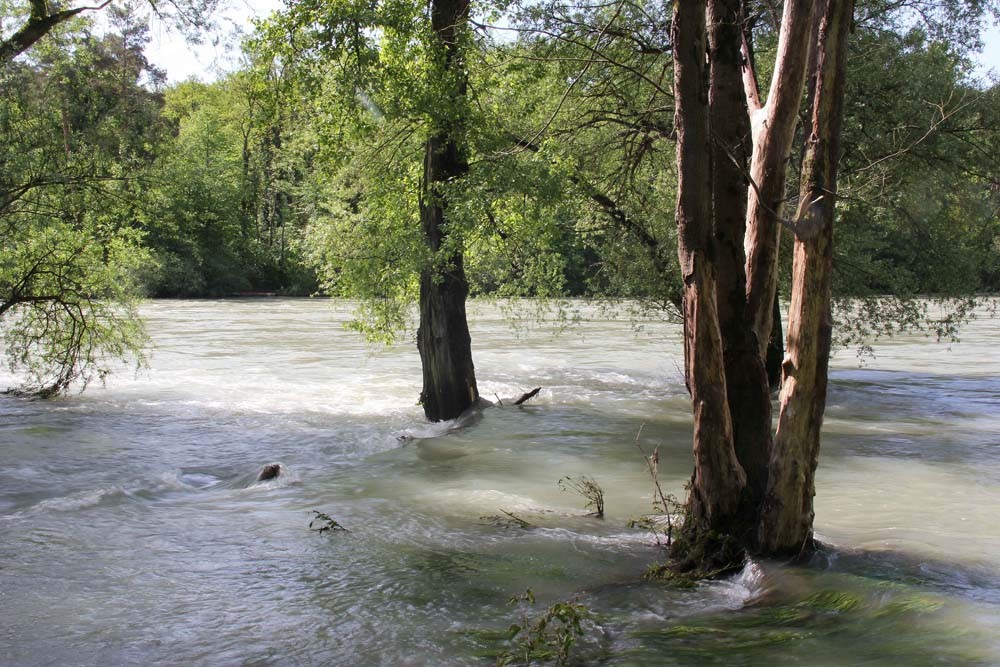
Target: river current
{"x":133,"y":530}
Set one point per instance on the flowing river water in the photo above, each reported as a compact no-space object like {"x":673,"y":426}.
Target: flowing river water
{"x":132,"y":530}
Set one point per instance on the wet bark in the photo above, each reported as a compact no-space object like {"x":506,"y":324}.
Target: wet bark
{"x":718,"y":481}
{"x":745,"y":375}
{"x":787,"y":514}
{"x":449,"y":379}
{"x":773,"y":129}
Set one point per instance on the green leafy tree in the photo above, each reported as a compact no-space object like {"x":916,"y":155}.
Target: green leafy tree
{"x":70,"y":250}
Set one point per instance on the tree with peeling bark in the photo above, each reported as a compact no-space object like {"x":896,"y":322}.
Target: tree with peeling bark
{"x":719,"y":480}
{"x":786,"y":521}
{"x":751,"y":493}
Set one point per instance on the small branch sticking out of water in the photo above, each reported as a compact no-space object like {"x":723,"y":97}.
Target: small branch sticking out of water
{"x":325,"y":522}
{"x":667,"y":505}
{"x":511,"y":520}
{"x":528,"y":396}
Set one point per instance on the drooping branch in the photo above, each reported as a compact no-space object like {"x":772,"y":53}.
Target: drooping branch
{"x":623,"y":219}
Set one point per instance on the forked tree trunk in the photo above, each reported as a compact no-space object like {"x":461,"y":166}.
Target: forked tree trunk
{"x":773,"y":127}
{"x":787,"y":515}
{"x":746,"y":378}
{"x":718,"y":481}
{"x":449,"y":377}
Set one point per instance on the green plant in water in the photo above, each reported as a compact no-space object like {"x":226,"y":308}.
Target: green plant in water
{"x":589,"y":489}
{"x":323,"y":522}
{"x":549,"y":638}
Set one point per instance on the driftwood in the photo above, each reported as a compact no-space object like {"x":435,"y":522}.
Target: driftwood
{"x":528,"y":396}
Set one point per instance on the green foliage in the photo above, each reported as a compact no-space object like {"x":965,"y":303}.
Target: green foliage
{"x":918,"y":210}
{"x":193,"y":215}
{"x":302,"y":171}
{"x":67,"y":305}
{"x":546,"y":638}
{"x":368,"y":246}
{"x":221,"y":217}
{"x":589,"y":489}
{"x":70,"y":252}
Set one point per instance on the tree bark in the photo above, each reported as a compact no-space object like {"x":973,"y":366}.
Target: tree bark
{"x":745,"y":375}
{"x":773,"y":129}
{"x":787,"y":514}
{"x":718,"y":480}
{"x":449,"y":378}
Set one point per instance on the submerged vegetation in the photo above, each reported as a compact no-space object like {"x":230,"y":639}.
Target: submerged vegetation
{"x":323,"y":523}
{"x":548,"y":637}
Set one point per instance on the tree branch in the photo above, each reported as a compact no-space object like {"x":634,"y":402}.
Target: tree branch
{"x":750,"y":86}
{"x":39,"y":24}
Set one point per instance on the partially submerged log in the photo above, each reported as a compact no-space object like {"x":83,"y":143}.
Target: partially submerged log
{"x":268,"y":472}
{"x":528,"y":396}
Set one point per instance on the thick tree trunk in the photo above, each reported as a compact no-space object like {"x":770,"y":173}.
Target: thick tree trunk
{"x":787,"y":513}
{"x":746,"y":379}
{"x":718,"y":481}
{"x":773,"y":129}
{"x":443,"y":336}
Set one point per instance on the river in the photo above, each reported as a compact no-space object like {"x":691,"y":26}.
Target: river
{"x":132,"y":530}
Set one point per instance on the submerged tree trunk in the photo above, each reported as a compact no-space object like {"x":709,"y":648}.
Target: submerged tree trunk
{"x":746,"y":379}
{"x":718,"y":481}
{"x":787,"y":514}
{"x":449,"y":378}
{"x":751,"y":493}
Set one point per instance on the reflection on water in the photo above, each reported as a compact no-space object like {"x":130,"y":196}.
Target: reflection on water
{"x":135,"y":530}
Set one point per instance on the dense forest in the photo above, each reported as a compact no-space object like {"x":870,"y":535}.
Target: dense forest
{"x":300,"y":173}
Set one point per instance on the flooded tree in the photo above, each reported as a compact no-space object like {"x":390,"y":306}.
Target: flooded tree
{"x":449,"y":377}
{"x":751,"y":493}
{"x":787,"y":514}
{"x":385,"y":85}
